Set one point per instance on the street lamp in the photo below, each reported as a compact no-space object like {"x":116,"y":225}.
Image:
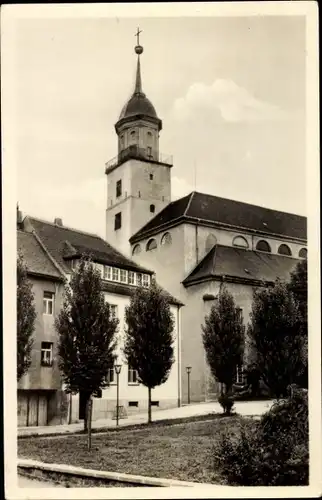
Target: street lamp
{"x":188,"y":370}
{"x":117,"y":371}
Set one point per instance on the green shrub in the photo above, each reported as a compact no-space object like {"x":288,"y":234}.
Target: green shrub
{"x":226,"y":401}
{"x":271,"y":452}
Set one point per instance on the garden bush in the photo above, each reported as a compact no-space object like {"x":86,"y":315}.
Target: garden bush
{"x":271,"y":452}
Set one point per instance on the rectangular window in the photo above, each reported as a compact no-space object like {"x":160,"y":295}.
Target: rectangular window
{"x":118,"y":221}
{"x":239,"y":374}
{"x":107,"y":272}
{"x":114,"y":311}
{"x":146,"y":280}
{"x":139,"y":279}
{"x":48,"y":303}
{"x":118,"y":188}
{"x":134,"y":403}
{"x":131,"y":278}
{"x":151,"y":177}
{"x":110,"y":378}
{"x":123,"y":276}
{"x":149,"y":151}
{"x":100,"y":269}
{"x":154,"y":403}
{"x":116,"y":274}
{"x":46,"y":354}
{"x":132,"y":376}
{"x":239,"y":313}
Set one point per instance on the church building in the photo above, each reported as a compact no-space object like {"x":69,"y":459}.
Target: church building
{"x":195,"y":244}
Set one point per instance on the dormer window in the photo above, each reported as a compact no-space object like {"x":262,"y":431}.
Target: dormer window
{"x":133,"y":136}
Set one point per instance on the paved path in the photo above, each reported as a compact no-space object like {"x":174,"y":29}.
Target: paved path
{"x":244,"y":408}
{"x":25,"y":482}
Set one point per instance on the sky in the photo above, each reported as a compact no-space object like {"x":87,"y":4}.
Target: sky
{"x":229,"y":90}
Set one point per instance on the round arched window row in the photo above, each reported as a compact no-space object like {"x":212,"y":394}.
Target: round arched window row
{"x":263,"y":246}
{"x":303,"y":253}
{"x":240,"y":241}
{"x":166,"y":239}
{"x":151,"y":245}
{"x":136,"y":249}
{"x":284,"y":250}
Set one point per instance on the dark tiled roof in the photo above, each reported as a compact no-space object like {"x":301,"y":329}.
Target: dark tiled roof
{"x":128,"y":290}
{"x":138,"y":104}
{"x":64,"y":243}
{"x":240,"y":264}
{"x":212,"y":209}
{"x":38,"y":263}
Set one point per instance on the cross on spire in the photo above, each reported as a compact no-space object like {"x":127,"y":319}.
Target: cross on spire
{"x":137,"y":34}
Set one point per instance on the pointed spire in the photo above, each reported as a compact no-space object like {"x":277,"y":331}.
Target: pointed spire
{"x":138,"y":50}
{"x":138,"y":80}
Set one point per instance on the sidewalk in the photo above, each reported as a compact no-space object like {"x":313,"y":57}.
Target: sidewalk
{"x":244,"y":408}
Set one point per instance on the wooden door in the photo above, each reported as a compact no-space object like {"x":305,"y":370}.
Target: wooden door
{"x":22,"y":409}
{"x":42,"y":410}
{"x":33,"y":409}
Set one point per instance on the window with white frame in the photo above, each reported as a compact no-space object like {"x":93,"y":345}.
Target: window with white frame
{"x":110,"y":377}
{"x":48,"y":302}
{"x":131,"y":277}
{"x":139,"y":279}
{"x":132,"y":376}
{"x":239,"y":374}
{"x":123,"y":276}
{"x":100,"y":269}
{"x":114,"y":311}
{"x":107,"y":272}
{"x":116,"y":274}
{"x":47,"y":353}
{"x":146,"y":280}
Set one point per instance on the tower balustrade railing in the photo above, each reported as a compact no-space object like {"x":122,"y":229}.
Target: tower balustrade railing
{"x":136,"y":153}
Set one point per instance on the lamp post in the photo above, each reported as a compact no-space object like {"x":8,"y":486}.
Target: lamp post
{"x":117,"y":371}
{"x":188,"y":370}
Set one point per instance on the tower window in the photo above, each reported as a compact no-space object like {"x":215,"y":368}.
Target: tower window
{"x":118,"y":188}
{"x":149,"y":136}
{"x":263,"y":246}
{"x":151,"y":177}
{"x":152,"y":209}
{"x":149,"y":150}
{"x":118,"y":221}
{"x":133,"y":136}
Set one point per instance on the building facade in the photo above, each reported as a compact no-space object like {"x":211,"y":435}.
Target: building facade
{"x":196,"y":244}
{"x":63,"y":247}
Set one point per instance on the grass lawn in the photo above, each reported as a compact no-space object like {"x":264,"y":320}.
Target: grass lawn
{"x":174,"y":451}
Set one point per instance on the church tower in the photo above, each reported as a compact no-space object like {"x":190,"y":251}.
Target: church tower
{"x":138,"y":178}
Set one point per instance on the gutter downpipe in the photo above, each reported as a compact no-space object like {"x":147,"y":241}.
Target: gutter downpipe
{"x":179,"y":356}
{"x":196,"y":236}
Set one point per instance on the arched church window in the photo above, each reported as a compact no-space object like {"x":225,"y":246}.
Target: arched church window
{"x":210,"y":242}
{"x":166,"y":239}
{"x":284,"y":250}
{"x":263,"y":246}
{"x":149,"y":137}
{"x":240,"y":241}
{"x":151,"y":245}
{"x":136,"y":249}
{"x":303,"y":253}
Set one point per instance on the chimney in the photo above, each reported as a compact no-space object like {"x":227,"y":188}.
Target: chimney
{"x":58,"y":221}
{"x":19,"y":218}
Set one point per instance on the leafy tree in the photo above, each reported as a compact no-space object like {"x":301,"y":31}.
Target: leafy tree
{"x":298,"y":286}
{"x":86,"y":332}
{"x":223,"y":340}
{"x":149,"y":338}
{"x":26,"y":316}
{"x":275,"y":334}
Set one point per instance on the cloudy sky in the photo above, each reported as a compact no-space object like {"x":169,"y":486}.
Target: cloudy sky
{"x":230,"y":92}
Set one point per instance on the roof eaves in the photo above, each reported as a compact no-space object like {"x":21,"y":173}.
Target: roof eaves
{"x":202,"y":221}
{"x":140,"y":235}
